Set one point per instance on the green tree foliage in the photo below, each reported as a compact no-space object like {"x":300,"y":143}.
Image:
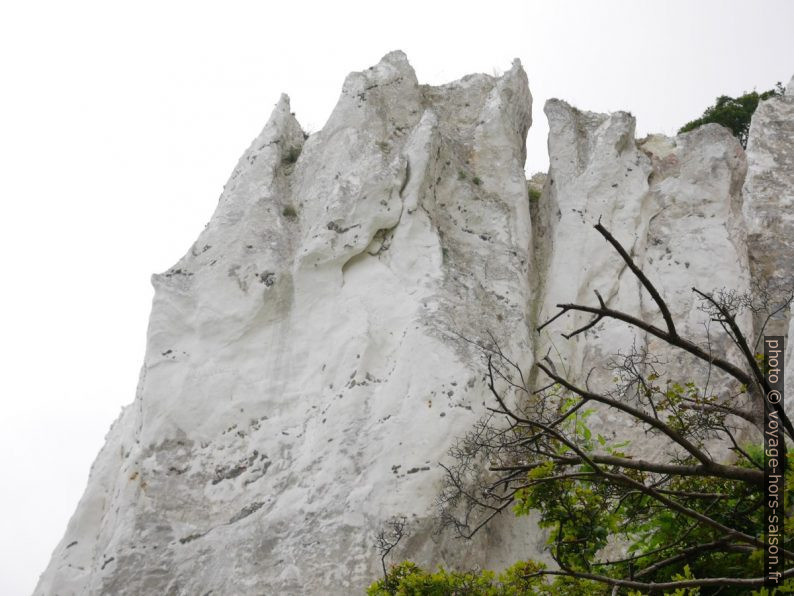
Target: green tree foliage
{"x":407,"y":579}
{"x":684,"y":559}
{"x":733,"y":112}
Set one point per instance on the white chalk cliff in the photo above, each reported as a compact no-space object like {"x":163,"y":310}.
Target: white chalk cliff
{"x":307,"y":364}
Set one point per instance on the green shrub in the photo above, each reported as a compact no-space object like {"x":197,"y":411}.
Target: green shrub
{"x":534,"y":194}
{"x":407,"y":579}
{"x":734,"y":113}
{"x":291,"y":155}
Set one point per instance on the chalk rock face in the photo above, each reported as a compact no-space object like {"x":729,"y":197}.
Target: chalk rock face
{"x":305,"y":368}
{"x":673,"y":203}
{"x":696,"y":233}
{"x":595,"y":171}
{"x":696,"y":239}
{"x":314,"y":355}
{"x":769,"y":208}
{"x":769,"y":196}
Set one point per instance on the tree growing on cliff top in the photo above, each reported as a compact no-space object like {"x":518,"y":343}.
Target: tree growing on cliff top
{"x":684,"y":521}
{"x":734,"y":113}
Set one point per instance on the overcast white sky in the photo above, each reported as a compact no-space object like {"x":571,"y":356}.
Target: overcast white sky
{"x":120,"y":123}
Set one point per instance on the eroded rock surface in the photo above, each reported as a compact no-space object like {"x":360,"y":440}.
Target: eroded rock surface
{"x":769,"y":196}
{"x":305,"y":370}
{"x":312,"y":358}
{"x":674,"y":204}
{"x":769,"y":209}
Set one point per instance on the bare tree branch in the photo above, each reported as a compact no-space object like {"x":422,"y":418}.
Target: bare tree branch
{"x":387,"y":539}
